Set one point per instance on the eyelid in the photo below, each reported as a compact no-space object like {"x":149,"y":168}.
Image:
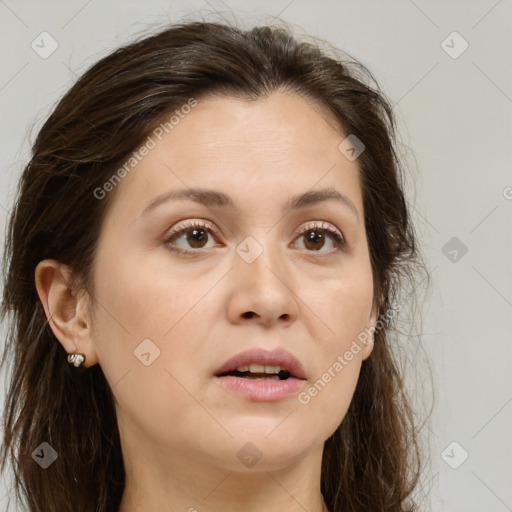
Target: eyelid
{"x":191,"y":223}
{"x":320,"y":225}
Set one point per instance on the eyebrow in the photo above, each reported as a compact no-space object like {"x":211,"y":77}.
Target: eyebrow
{"x":214,"y":198}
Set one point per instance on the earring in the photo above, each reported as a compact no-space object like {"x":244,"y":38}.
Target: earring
{"x":76,"y":359}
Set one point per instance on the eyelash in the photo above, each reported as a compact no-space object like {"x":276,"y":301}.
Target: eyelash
{"x":337,"y":237}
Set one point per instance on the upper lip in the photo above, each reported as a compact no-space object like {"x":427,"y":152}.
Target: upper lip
{"x":278,"y":357}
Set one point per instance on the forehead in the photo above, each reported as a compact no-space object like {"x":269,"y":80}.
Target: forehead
{"x":268,"y":148}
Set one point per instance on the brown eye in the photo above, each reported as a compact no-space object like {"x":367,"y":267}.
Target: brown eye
{"x":196,"y":238}
{"x":315,"y":237}
{"x":195,"y":234}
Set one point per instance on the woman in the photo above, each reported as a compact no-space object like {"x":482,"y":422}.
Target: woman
{"x":203,"y":266}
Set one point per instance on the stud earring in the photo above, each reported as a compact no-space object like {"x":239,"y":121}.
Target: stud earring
{"x":76,"y":359}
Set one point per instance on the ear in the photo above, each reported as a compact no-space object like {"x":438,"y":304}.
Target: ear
{"x":67,"y":314}
{"x":370,"y":329}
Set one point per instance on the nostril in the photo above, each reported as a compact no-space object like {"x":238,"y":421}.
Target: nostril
{"x":249,"y":314}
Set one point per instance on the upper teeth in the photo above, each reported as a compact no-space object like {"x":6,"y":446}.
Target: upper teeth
{"x":259,"y":368}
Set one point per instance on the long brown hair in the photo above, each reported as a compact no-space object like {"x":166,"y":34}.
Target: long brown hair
{"x":372,"y":462}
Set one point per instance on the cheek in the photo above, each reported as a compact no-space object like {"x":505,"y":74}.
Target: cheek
{"x":147,"y":316}
{"x":329,"y":396}
{"x":342,"y":302}
{"x":144,"y":296}
{"x":330,"y":390}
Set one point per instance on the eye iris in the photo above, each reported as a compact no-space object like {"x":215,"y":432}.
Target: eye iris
{"x":198,"y":235}
{"x":314,"y":236}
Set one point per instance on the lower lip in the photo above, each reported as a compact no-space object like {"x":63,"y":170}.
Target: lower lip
{"x":261,"y":390}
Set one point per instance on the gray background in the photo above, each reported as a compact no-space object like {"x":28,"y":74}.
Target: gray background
{"x":454,"y":115}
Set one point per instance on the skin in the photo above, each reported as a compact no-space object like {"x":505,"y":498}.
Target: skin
{"x":180,"y":431}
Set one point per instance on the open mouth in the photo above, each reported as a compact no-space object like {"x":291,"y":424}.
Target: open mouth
{"x":281,"y":375}
{"x":258,"y":369}
{"x":261,"y":382}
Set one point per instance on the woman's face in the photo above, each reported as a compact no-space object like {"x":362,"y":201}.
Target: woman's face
{"x":170,"y":313}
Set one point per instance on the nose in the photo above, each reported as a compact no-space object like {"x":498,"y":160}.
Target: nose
{"x":262,"y":292}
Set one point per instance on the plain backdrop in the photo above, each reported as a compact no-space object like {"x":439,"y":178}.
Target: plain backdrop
{"x":447,"y":68}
